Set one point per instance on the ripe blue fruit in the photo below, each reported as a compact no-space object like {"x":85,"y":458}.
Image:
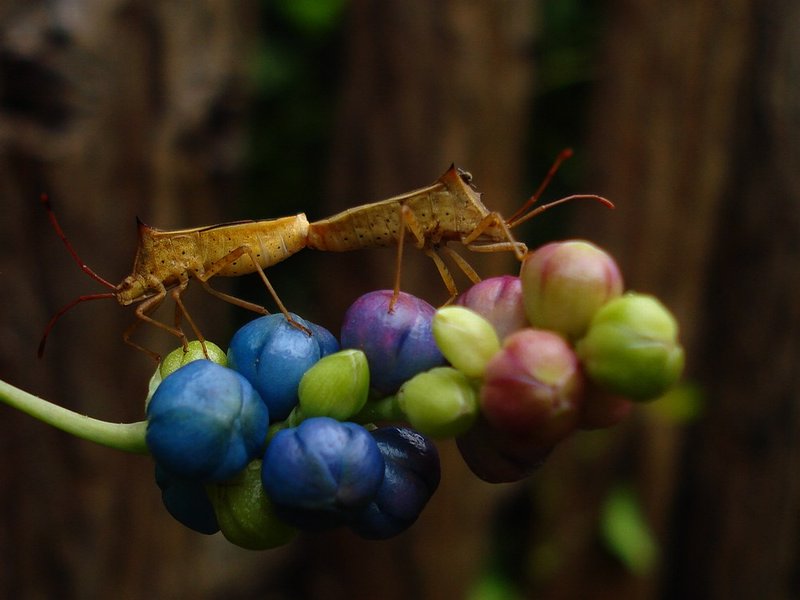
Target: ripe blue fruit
{"x":187,"y":502}
{"x":398,"y":345}
{"x":273,"y":355}
{"x":411,"y":476}
{"x":320,"y":470}
{"x":205,"y":422}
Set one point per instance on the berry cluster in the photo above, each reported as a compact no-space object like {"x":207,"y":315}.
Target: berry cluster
{"x":279,"y":433}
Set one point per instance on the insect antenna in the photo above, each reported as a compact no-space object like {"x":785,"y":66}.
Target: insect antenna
{"x":521,"y":215}
{"x":83,"y":266}
{"x":54,"y":319}
{"x":60,"y":232}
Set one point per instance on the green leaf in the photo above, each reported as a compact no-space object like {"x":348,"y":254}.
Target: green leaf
{"x":626,"y":532}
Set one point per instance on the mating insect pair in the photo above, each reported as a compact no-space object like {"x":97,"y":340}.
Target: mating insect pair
{"x":448,"y":210}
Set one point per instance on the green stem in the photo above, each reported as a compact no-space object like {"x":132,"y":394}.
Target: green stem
{"x":385,"y":409}
{"x":122,"y":436}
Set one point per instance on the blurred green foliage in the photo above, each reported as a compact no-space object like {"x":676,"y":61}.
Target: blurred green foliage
{"x":565,"y":62}
{"x":296,"y":73}
{"x":626,"y":532}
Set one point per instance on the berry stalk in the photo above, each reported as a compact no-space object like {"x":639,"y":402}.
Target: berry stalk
{"x":128,"y":437}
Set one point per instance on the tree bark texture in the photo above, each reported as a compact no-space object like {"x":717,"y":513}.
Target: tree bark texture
{"x":426,"y":85}
{"x":115,"y":109}
{"x":696,"y":130}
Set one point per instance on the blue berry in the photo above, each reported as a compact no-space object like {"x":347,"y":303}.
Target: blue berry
{"x":273,"y":355}
{"x":205,"y":422}
{"x":319,"y":471}
{"x":187,"y":502}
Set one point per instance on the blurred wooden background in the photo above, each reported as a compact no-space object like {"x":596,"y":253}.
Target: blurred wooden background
{"x":686,"y":114}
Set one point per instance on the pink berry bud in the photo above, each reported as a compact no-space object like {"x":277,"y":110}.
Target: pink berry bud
{"x":565,"y":283}
{"x":499,"y":301}
{"x":532,"y":387}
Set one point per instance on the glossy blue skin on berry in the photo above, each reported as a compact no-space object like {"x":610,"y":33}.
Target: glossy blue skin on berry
{"x":273,"y":355}
{"x":320,"y":470}
{"x":398,"y":345}
{"x":205,"y":422}
{"x":187,"y":502}
{"x":411,"y":477}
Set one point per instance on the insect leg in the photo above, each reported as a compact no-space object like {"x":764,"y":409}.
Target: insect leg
{"x":252,"y":306}
{"x":499,"y":247}
{"x":407,"y":220}
{"x":142,"y":314}
{"x":230,"y":258}
{"x":180,"y":311}
{"x":462,"y":264}
{"x":447,"y":278}
{"x":494,"y":218}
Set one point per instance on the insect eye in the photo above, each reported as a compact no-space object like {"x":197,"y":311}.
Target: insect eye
{"x":466,"y":177}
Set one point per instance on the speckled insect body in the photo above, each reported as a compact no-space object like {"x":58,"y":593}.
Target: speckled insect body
{"x":166,"y":260}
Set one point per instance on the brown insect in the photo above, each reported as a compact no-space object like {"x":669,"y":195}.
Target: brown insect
{"x":166,"y":261}
{"x":448,"y":210}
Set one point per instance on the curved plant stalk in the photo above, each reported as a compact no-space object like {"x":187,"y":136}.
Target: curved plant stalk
{"x":122,"y":436}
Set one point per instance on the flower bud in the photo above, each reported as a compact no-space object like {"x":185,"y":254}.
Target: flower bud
{"x":465,"y":338}
{"x":440,"y":403}
{"x":499,"y":301}
{"x":532,"y":387}
{"x":565,"y":283}
{"x":398,"y":344}
{"x":245,"y":514}
{"x":632,"y":348}
{"x":337,"y":386}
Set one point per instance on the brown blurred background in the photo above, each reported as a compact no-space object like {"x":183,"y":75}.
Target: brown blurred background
{"x":685,"y":113}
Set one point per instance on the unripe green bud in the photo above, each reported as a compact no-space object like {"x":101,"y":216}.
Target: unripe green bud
{"x":245,"y":513}
{"x":565,"y":283}
{"x":467,"y":340}
{"x":439,"y":403}
{"x":632,"y":348}
{"x":336,"y":386}
{"x":180,"y":357}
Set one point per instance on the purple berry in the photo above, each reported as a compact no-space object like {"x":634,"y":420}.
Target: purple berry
{"x":410,"y":478}
{"x":398,"y":344}
{"x":498,"y":457}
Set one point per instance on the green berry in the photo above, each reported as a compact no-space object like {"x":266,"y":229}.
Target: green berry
{"x":467,"y":340}
{"x":245,"y":513}
{"x":180,"y":357}
{"x":439,"y":403}
{"x":632,"y":348}
{"x":336,"y":386}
